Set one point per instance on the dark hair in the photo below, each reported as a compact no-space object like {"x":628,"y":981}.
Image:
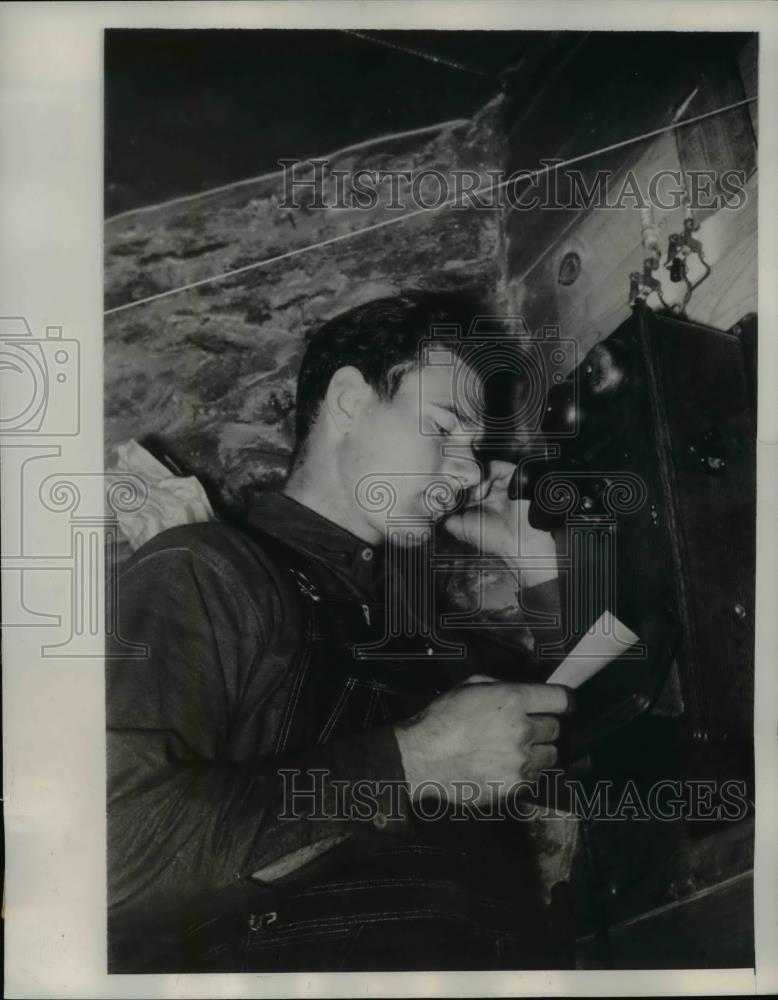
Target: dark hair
{"x":381,"y":339}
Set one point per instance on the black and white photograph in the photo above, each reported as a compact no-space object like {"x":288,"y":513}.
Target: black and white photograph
{"x":451,"y":414}
{"x":413,"y":574}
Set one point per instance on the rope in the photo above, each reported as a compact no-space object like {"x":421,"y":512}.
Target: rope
{"x":419,"y":211}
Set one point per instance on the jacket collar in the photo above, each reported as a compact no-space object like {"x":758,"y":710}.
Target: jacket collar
{"x":314,"y":535}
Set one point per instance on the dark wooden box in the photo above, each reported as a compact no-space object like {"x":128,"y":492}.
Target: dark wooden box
{"x":658,"y":526}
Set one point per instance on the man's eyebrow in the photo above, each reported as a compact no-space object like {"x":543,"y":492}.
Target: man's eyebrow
{"x":446,"y":406}
{"x":455,"y":411}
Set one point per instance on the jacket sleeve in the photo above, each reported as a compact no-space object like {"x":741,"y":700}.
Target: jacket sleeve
{"x":187,"y":813}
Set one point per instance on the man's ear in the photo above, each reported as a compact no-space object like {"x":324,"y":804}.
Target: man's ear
{"x":347,"y":396}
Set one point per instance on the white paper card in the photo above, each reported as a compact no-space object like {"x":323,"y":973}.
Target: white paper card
{"x":606,"y":640}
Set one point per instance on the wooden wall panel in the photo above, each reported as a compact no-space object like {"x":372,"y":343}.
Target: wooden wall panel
{"x":609,"y":241}
{"x":609,"y":245}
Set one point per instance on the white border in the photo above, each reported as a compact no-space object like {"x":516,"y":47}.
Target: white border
{"x":50,"y":273}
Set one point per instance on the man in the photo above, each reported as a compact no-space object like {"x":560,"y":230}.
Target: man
{"x":284,"y":765}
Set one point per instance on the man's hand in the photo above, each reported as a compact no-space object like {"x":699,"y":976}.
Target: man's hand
{"x":496,"y":525}
{"x":482,"y":731}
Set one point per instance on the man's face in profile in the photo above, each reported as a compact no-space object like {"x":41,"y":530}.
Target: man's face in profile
{"x":411,"y":457}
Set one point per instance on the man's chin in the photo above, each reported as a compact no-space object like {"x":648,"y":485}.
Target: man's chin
{"x":416,"y":527}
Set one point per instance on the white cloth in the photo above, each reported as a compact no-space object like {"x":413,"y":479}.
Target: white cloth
{"x":171,"y":501}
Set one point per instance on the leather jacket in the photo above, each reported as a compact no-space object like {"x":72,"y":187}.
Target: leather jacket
{"x":251,"y":683}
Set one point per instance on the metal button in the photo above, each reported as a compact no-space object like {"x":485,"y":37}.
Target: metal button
{"x":740,"y":611}
{"x":367,"y":554}
{"x":380,"y":821}
{"x":260,"y":921}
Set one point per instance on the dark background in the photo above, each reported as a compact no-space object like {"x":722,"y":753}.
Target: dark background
{"x":190,"y":110}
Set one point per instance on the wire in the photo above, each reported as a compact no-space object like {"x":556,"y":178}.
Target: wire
{"x":419,"y":211}
{"x":420,"y":53}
